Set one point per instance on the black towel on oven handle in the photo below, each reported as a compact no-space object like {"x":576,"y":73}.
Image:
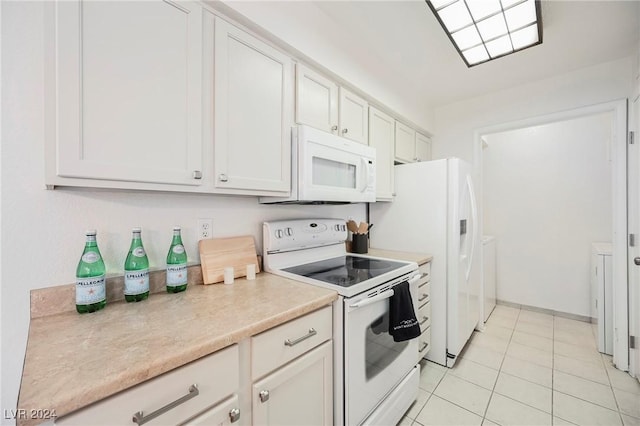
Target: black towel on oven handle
{"x":403,"y":324}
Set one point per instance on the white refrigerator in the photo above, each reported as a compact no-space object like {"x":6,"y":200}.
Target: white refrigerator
{"x":435,"y":212}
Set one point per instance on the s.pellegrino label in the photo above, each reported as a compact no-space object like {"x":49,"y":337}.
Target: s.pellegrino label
{"x":90,"y":290}
{"x":91,"y":293}
{"x":136,"y":270}
{"x":176,"y":264}
{"x":136,"y":282}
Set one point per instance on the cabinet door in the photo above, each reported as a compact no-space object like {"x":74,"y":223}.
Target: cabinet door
{"x":128,"y":91}
{"x":253,"y":98}
{"x":381,"y":137}
{"x":300,"y":393}
{"x":423,"y":147}
{"x":354,"y":117}
{"x":316,"y":100}
{"x":405,"y":143}
{"x":223,"y":414}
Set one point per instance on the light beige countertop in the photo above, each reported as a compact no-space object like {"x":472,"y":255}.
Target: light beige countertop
{"x":419,"y":258}
{"x":73,"y":360}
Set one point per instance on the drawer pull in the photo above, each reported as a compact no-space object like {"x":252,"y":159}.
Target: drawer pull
{"x":423,"y":284}
{"x":141,"y":419}
{"x":424,"y":296}
{"x":423,"y":347}
{"x":264,"y":396}
{"x":424,"y":319}
{"x":234,"y":415}
{"x":312,"y":332}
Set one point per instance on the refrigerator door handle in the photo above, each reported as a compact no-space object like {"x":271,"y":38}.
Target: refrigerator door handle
{"x":474,"y":216}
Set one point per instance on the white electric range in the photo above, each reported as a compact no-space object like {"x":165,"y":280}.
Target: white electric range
{"x":375,"y":378}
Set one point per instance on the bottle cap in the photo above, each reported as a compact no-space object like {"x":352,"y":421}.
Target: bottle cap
{"x":176,"y":228}
{"x":90,"y":232}
{"x":137,"y":230}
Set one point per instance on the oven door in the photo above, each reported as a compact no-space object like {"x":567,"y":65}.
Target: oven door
{"x":332,"y":168}
{"x":374,"y":363}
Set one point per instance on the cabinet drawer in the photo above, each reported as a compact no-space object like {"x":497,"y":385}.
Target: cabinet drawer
{"x":424,"y":316}
{"x":425,"y":271}
{"x":424,"y":343}
{"x":281,"y":344}
{"x":216,"y":377}
{"x":424,"y":295}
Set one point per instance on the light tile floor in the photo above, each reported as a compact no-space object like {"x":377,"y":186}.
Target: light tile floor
{"x":527,"y":368}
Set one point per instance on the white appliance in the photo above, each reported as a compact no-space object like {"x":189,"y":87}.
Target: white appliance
{"x":435,"y":212}
{"x":488,"y":275}
{"x":602,"y":294}
{"x":375,"y":378}
{"x":329,"y":169}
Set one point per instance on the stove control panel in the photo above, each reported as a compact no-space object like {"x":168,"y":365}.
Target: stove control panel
{"x":288,"y":235}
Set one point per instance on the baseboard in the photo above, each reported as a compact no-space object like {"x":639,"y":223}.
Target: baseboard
{"x":548,"y":311}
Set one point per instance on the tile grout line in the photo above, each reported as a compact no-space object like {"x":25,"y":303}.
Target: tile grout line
{"x":484,"y":416}
{"x":615,"y":397}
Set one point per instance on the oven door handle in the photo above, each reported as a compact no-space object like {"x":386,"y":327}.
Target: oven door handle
{"x":384,"y":295}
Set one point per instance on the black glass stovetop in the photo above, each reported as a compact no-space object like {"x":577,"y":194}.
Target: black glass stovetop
{"x":345,"y":271}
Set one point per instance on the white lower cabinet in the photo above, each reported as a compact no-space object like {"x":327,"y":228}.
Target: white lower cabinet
{"x":210,"y":383}
{"x":300,"y":393}
{"x":423,"y":310}
{"x":225,"y":413}
{"x":292,"y":370}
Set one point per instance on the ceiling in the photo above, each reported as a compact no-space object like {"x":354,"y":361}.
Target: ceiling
{"x":412,"y":53}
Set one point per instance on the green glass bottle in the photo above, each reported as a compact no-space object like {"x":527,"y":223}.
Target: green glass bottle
{"x":176,"y":264}
{"x":91,"y":292}
{"x":136,"y":270}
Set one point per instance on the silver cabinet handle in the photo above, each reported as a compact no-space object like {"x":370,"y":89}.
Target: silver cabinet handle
{"x":424,"y":296}
{"x":423,"y":284}
{"x":344,"y":131}
{"x":423,"y":347}
{"x":141,"y":419}
{"x":334,"y":128}
{"x":234,"y":415}
{"x":264,"y":396}
{"x":222,"y":177}
{"x":197,"y":174}
{"x":424,"y":319}
{"x":636,"y":260}
{"x":312,"y":332}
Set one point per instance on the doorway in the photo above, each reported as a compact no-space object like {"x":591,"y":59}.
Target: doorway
{"x":617,"y":111}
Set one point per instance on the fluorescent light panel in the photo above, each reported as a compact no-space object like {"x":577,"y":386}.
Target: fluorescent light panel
{"x":482,"y":30}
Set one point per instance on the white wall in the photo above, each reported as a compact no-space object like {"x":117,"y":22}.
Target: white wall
{"x":43,"y":231}
{"x":456,"y":123}
{"x":547,"y":197}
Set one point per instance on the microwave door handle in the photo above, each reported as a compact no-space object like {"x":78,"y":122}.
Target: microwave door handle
{"x":366,"y":172}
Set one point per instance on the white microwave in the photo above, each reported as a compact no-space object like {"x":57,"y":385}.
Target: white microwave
{"x":329,"y":169}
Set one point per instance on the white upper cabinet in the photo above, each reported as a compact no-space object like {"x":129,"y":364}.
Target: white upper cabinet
{"x":353,"y":117}
{"x":405,"y":143}
{"x":423,"y":147}
{"x":382,"y":137}
{"x":253,"y":113}
{"x":317,"y":100}
{"x":322,"y":104}
{"x":411,"y":146}
{"x":127,"y":93}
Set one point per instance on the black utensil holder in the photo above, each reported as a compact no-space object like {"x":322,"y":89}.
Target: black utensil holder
{"x":359,"y":243}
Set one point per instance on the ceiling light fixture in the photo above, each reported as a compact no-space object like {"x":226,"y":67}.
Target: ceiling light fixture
{"x":482,"y":30}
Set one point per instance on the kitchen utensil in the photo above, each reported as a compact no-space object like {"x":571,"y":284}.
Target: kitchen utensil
{"x":219,"y":253}
{"x":352,"y":226}
{"x":362,"y":229}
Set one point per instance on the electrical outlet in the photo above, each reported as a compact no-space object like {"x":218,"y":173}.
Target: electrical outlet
{"x":205,"y":226}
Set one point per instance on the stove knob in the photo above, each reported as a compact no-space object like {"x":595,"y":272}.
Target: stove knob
{"x":279,"y":233}
{"x":289,"y":232}
{"x":337,"y":227}
{"x":343,"y":227}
